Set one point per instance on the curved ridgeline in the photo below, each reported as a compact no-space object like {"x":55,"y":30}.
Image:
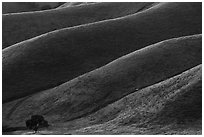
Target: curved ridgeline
{"x":94,"y":90}
{"x":18,"y":27}
{"x":54,"y":58}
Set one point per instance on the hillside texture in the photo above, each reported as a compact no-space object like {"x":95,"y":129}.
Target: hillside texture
{"x":22,"y":26}
{"x":104,"y":68}
{"x":54,"y":58}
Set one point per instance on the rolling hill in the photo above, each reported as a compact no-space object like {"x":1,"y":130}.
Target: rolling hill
{"x":70,"y":4}
{"x":173,"y":106}
{"x":103,"y":68}
{"x":22,"y":26}
{"x":57,"y":57}
{"x":98,"y":88}
{"x":16,"y":7}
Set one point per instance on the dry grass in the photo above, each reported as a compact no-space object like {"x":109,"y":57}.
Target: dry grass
{"x":106,"y":77}
{"x":22,"y":26}
{"x":92,"y":91}
{"x":52,"y":59}
{"x":147,"y":111}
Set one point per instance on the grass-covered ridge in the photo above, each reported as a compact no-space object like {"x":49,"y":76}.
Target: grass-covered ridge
{"x":18,"y":27}
{"x":98,"y":88}
{"x":54,"y":58}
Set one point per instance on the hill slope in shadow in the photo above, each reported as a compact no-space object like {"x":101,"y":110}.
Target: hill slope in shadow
{"x":16,"y":7}
{"x":52,"y":59}
{"x":96,"y":89}
{"x":22,"y":26}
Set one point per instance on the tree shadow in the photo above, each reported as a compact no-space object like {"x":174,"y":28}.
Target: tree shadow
{"x":11,"y":129}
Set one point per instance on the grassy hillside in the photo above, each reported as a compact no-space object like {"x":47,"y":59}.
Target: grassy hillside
{"x":96,"y":89}
{"x":70,"y":4}
{"x":16,"y":7}
{"x":20,"y":27}
{"x":52,"y":59}
{"x":173,"y":106}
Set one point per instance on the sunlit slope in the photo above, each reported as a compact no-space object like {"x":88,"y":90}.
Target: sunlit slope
{"x":96,"y":89}
{"x":173,"y":106}
{"x":70,"y":4}
{"x":49,"y":60}
{"x":22,"y":26}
